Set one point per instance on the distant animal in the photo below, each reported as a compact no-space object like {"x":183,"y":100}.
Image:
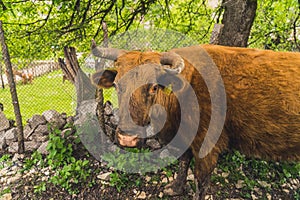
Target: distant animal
{"x":262,"y":93}
{"x":25,"y":76}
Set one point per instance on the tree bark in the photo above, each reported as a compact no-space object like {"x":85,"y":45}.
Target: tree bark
{"x":238,"y":18}
{"x":70,"y":68}
{"x":1,"y":74}
{"x":66,"y":72}
{"x":13,"y":91}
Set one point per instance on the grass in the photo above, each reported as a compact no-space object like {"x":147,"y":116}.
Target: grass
{"x":45,"y":93}
{"x":111,"y":95}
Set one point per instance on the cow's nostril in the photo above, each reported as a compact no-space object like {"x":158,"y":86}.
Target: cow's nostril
{"x":127,"y":140}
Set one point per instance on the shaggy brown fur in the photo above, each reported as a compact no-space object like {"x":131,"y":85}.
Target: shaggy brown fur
{"x":263,"y":104}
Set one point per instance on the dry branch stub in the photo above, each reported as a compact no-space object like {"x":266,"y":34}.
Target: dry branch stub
{"x":70,"y":66}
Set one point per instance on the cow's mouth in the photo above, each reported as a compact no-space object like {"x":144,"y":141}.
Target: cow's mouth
{"x":127,"y":140}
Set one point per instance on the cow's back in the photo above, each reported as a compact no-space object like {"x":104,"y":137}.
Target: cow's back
{"x":263,"y":94}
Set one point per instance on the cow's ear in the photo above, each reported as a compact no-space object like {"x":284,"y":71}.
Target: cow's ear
{"x":104,"y":78}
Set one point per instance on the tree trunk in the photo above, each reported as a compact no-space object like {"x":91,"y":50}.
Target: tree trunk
{"x":238,"y":18}
{"x":13,"y":91}
{"x":66,"y":72}
{"x":1,"y":74}
{"x":70,"y":68}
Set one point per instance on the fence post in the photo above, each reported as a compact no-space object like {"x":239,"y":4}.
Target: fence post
{"x":13,"y":91}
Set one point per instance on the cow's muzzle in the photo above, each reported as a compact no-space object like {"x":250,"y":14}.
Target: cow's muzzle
{"x":127,"y":139}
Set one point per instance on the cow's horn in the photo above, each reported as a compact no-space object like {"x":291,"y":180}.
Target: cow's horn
{"x":108,"y":53}
{"x":173,"y":59}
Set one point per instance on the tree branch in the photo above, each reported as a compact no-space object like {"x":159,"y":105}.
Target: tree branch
{"x":76,"y":9}
{"x":45,"y":21}
{"x":85,"y":12}
{"x":3,"y":6}
{"x":295,"y":30}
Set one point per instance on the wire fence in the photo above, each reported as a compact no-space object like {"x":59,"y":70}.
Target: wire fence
{"x":48,"y":91}
{"x":40,"y":87}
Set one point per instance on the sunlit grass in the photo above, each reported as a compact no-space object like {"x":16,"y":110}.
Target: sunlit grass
{"x":45,"y":93}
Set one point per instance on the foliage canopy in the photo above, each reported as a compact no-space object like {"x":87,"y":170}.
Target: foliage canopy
{"x":39,"y":29}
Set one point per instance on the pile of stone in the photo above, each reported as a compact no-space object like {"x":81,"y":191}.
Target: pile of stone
{"x":36,"y":131}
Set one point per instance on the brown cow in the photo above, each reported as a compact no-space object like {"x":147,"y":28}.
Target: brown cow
{"x":262,"y":92}
{"x":26,"y":77}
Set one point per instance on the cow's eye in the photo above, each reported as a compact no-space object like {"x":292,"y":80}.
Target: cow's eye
{"x":153,"y":89}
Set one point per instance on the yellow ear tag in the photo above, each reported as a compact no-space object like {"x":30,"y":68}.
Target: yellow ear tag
{"x":168,"y":89}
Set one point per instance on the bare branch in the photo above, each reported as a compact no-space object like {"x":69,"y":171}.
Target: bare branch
{"x":76,"y":9}
{"x":45,"y":21}
{"x":295,"y":30}
{"x":85,"y":12}
{"x":3,"y":6}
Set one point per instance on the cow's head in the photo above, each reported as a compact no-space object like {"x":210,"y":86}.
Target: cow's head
{"x":145,"y":82}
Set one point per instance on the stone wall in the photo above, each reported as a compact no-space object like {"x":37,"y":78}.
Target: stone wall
{"x":36,"y":131}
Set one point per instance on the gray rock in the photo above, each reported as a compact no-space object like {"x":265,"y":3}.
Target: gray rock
{"x":161,"y":194}
{"x":2,"y":133}
{"x":85,"y":112}
{"x":264,"y":184}
{"x":39,"y":138}
{"x":11,"y":135}
{"x":31,"y":145}
{"x":13,"y":147}
{"x":3,"y":143}
{"x":286,"y":191}
{"x":142,"y":195}
{"x":239,"y":184}
{"x":55,"y":119}
{"x":208,"y":197}
{"x":13,"y":179}
{"x":36,"y":120}
{"x":18,"y":157}
{"x":7,"y":196}
{"x":43,"y":148}
{"x":59,"y":123}
{"x":105,"y":176}
{"x":4,"y":122}
{"x":27,"y":131}
{"x":50,"y":114}
{"x":41,"y":130}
